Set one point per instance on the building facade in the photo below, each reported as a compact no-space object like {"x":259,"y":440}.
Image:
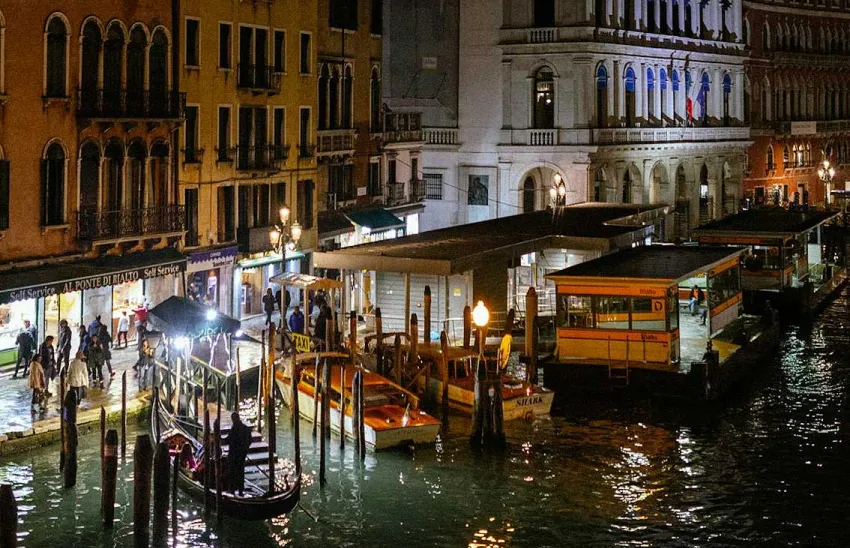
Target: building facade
{"x":87,"y":176}
{"x":248,"y":144}
{"x":799,"y":92}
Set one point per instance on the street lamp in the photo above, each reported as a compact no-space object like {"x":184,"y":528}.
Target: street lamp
{"x":558,"y":191}
{"x":480,"y":317}
{"x":284,"y":236}
{"x":826,"y":173}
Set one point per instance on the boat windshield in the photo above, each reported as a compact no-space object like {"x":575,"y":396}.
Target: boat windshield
{"x":458,"y":369}
{"x":377,"y":395}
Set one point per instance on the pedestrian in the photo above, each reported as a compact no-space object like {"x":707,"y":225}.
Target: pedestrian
{"x":106,"y":341}
{"x":26,"y":348}
{"x":94,"y":326}
{"x":123,"y":329}
{"x":36,"y":383}
{"x":268,"y":305}
{"x":84,"y":340}
{"x":143,"y":364}
{"x":692,"y":301}
{"x":700,"y":296}
{"x":64,"y":346}
{"x":321,"y":325}
{"x":238,"y":442}
{"x":287,"y":302}
{"x":277,"y":299}
{"x":296,"y":320}
{"x":78,"y":378}
{"x":48,"y":362}
{"x":95,"y":361}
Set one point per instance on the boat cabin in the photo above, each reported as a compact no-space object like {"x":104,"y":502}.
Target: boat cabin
{"x":634,"y":307}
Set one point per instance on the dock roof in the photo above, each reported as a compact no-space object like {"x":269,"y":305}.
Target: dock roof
{"x":457,"y":249}
{"x":766,"y":221}
{"x":663,"y":263}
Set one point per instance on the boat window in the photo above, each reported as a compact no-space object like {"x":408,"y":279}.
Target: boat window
{"x":723,"y":286}
{"x":612,"y":312}
{"x":648,"y":314}
{"x":673,"y":309}
{"x":383,"y":394}
{"x":575,"y":311}
{"x":763,"y":258}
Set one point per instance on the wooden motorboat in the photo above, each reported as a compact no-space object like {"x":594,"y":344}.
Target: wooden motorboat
{"x":391,"y":414}
{"x":257,"y":502}
{"x":520,"y":399}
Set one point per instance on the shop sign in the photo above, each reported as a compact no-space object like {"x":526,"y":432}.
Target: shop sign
{"x":210,"y":260}
{"x":91,"y":282}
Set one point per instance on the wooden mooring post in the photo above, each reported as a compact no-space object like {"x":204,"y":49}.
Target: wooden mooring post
{"x":102,"y":430}
{"x":317,"y":387}
{"x":61,"y":421}
{"x":8,"y":517}
{"x":109,"y":477}
{"x":342,"y":407}
{"x":238,"y":380}
{"x":124,"y":414}
{"x":479,"y":406}
{"x":397,"y":359}
{"x":270,"y":406}
{"x":467,"y":325}
{"x":219,"y":472}
{"x":426,"y":323}
{"x":444,"y":377}
{"x":161,"y":480}
{"x":352,"y":334}
{"x":531,"y":333}
{"x":296,"y":417}
{"x":357,"y":414}
{"x":325,"y":426}
{"x":71,"y":438}
{"x":207,"y":463}
{"x":142,"y":468}
{"x":379,"y":341}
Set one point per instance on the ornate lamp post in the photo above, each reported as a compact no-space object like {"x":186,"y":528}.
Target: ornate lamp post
{"x":284,"y":236}
{"x":481,"y":317}
{"x":558,"y":191}
{"x":826,"y":174}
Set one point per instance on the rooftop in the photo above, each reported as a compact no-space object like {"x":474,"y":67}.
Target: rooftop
{"x":457,"y":249}
{"x":768,"y":220}
{"x":672,"y":263}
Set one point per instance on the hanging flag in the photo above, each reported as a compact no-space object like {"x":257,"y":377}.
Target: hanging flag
{"x":689,"y":108}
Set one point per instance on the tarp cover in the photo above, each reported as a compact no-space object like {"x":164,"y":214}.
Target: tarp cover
{"x":305,"y":281}
{"x":179,"y":316}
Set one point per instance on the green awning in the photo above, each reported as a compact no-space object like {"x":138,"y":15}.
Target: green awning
{"x":375,"y":219}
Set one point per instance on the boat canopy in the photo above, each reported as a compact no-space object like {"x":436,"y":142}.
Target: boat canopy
{"x":305,"y":281}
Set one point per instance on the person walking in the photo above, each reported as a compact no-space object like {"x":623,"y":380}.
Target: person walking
{"x":144,"y":363}
{"x":123,"y":329}
{"x":321,"y":326}
{"x":238,"y":442}
{"x":106,"y":341}
{"x":95,"y":361}
{"x":692,"y":301}
{"x":78,"y":377}
{"x":268,"y":305}
{"x":94,"y":326}
{"x":296,"y":320}
{"x":64,"y":346}
{"x":85,"y":340}
{"x":48,"y":362}
{"x":26,"y":348}
{"x":36,"y":384}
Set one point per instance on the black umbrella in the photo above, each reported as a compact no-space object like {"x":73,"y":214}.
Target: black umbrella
{"x":181,"y":317}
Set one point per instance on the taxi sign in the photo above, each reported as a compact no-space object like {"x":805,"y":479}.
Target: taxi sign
{"x":302,"y":342}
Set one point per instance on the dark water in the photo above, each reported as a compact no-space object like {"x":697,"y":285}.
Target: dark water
{"x":770,"y":469}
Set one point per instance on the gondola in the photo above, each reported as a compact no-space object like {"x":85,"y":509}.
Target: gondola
{"x":256,"y":503}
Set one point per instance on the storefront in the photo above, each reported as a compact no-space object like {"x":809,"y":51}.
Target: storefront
{"x":251,"y":279}
{"x":78,"y":292}
{"x":209,"y":277}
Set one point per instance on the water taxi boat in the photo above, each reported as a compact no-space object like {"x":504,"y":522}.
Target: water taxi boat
{"x":391,"y":414}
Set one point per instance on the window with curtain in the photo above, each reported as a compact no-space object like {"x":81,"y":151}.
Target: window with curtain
{"x":602,"y":96}
{"x":57,"y":53}
{"x":544,"y":99}
{"x":630,"y":82}
{"x":53,"y":186}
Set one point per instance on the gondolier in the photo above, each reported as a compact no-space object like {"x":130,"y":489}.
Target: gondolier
{"x":238,"y":442}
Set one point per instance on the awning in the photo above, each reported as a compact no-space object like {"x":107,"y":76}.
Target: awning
{"x":305,"y":281}
{"x":375,"y":218}
{"x":20,"y":284}
{"x":333,"y":223}
{"x":179,"y":316}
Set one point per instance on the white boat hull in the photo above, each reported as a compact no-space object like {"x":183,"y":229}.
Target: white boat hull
{"x":520,"y":407}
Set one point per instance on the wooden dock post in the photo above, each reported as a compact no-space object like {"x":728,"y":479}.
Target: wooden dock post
{"x":62,"y":435}
{"x":174,"y":476}
{"x":355,"y":407}
{"x":444,"y":377}
{"x":352,"y":334}
{"x":478,"y":407}
{"x":161,"y":479}
{"x":261,"y":382}
{"x":361,"y":426}
{"x":317,"y":386}
{"x":342,"y":406}
{"x":8,"y":517}
{"x":406,"y":302}
{"x":509,"y":321}
{"x":467,"y":325}
{"x":379,"y":341}
{"x":109,"y":477}
{"x":124,"y":414}
{"x":69,"y":412}
{"x":219,"y":472}
{"x":414,"y":337}
{"x":207,"y":462}
{"x":498,"y":411}
{"x":531,"y":334}
{"x":103,"y":429}
{"x":271,"y":427}
{"x":296,"y":417}
{"x":142,"y":464}
{"x":326,"y":400}
{"x":426,"y":324}
{"x":322,"y":438}
{"x":238,"y":380}
{"x":397,"y":359}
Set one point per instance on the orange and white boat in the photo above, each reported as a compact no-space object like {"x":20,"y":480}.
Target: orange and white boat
{"x":391,"y":414}
{"x":520,"y":399}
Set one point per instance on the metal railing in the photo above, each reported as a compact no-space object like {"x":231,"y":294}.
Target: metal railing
{"x":395,"y":193}
{"x":126,"y":223}
{"x":306,"y":150}
{"x":402,"y":127}
{"x":257,"y":77}
{"x":260,"y":157}
{"x":124,"y":103}
{"x":336,"y":141}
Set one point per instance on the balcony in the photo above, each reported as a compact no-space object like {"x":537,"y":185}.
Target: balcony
{"x":811,"y":127}
{"x":253,"y":240}
{"x":306,"y":150}
{"x":542,"y":35}
{"x":441,"y":136}
{"x":100,"y":104}
{"x":402,"y":127}
{"x":403,"y":193}
{"x":669,"y":135}
{"x":336,"y":142}
{"x":261,"y":157}
{"x":126,"y":224}
{"x":258,"y":78}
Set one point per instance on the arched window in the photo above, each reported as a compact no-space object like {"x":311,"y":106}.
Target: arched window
{"x":689,"y":18}
{"x":113,"y":183}
{"x":347,"y":98}
{"x":771,"y":163}
{"x":794,"y":152}
{"x":702,"y":98}
{"x":136,"y":176}
{"x":626,"y":197}
{"x":677,"y":9}
{"x":674,"y":86}
{"x":652,"y":25}
{"x":324,"y":78}
{"x":333,"y":98}
{"x":375,"y":101}
{"x":662,"y":77}
{"x":786,"y":158}
{"x":136,"y":53}
{"x":92,"y":46}
{"x":53,"y":185}
{"x":159,"y":67}
{"x":808,"y":158}
{"x":727,"y":92}
{"x":159,"y":194}
{"x":601,"y":96}
{"x":528,"y":204}
{"x":544,"y":13}
{"x":748,"y":100}
{"x":704,"y":198}
{"x":664,"y":26}
{"x":599,"y":186}
{"x":57,"y":57}
{"x":765,"y":38}
{"x":113,"y":61}
{"x":89,"y":176}
{"x":629,"y":82}
{"x":650,"y":95}
{"x":544,"y":99}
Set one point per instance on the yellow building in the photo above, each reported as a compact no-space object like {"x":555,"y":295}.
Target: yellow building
{"x":248,"y":144}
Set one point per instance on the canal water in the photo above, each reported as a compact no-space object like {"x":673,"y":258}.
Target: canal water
{"x":769,"y":469}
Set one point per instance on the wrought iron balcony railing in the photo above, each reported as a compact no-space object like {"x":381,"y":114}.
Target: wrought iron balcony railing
{"x":129,"y":223}
{"x":402,"y":127}
{"x":130,"y":104}
{"x":306,"y":150}
{"x":258,"y":77}
{"x":261,"y":157}
{"x":336,"y":141}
